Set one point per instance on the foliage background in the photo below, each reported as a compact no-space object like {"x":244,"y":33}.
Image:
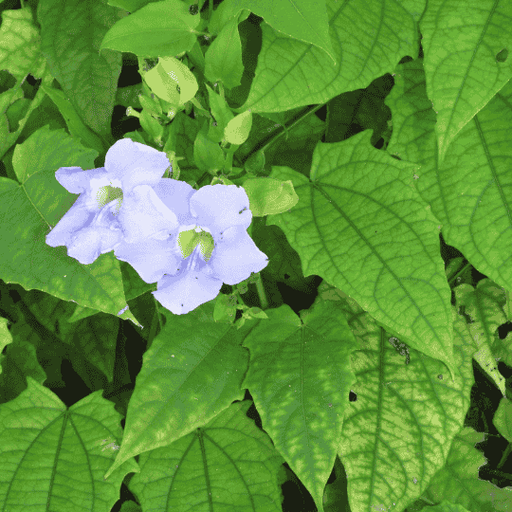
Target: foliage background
{"x":72,"y":367}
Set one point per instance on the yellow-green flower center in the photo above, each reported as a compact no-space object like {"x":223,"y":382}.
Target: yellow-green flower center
{"x":190,"y":239}
{"x":108,"y":194}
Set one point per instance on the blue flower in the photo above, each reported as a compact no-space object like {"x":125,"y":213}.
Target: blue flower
{"x":217,"y":219}
{"x":188,"y":241}
{"x":153,"y":257}
{"x":117,"y":203}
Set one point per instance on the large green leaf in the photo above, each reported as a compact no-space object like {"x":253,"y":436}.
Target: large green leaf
{"x":471,"y":192}
{"x":192,"y":371}
{"x":228,"y":464}
{"x":300,"y":377}
{"x":31,"y":207}
{"x":158,"y":29}
{"x":361,"y":226}
{"x":462,"y":42}
{"x":292,"y":73}
{"x":54,"y":458}
{"x":300,"y":19}
{"x":71,"y":49}
{"x":397,"y":433}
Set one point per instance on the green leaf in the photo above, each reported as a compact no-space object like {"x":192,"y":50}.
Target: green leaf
{"x":39,"y":202}
{"x":238,"y":129}
{"x":458,"y":482}
{"x":208,"y":156}
{"x":76,"y":126}
{"x":162,"y":28}
{"x":255,"y":164}
{"x":20,"y":54}
{"x":503,"y":419}
{"x":221,"y":112}
{"x":151,"y":127}
{"x":166,"y":75}
{"x":223,"y":60}
{"x":361,"y":226}
{"x":300,"y":394}
{"x":184,"y":130}
{"x":63,"y":319}
{"x":225,"y":308}
{"x":460,"y":49}
{"x":245,"y":480}
{"x":268,"y":196}
{"x":20,"y":51}
{"x":20,"y":361}
{"x":484,"y":313}
{"x":224,"y":13}
{"x":292,"y":73}
{"x":130,"y":5}
{"x":75,"y":62}
{"x":470,"y":193}
{"x":42,"y":443}
{"x":183,"y":386}
{"x":5,"y":336}
{"x":397,"y":433}
{"x":129,"y":96}
{"x":300,"y":19}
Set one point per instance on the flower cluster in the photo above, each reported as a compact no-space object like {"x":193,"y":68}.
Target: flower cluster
{"x":188,"y":241}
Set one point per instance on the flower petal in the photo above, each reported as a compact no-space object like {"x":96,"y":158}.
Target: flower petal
{"x":187,"y":290}
{"x":76,"y":218}
{"x":75,"y":180}
{"x":90,"y":242}
{"x":219,"y":207}
{"x":143,"y":215}
{"x":135,"y":164}
{"x":101,"y":235}
{"x":176,"y":196}
{"x":150,"y":258}
{"x":236,"y":256}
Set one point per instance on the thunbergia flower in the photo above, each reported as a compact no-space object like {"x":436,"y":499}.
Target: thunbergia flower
{"x":188,"y":241}
{"x":211,"y":248}
{"x":117,"y":203}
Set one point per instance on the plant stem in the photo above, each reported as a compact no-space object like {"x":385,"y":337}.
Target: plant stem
{"x":263,"y":146}
{"x":261,"y":292}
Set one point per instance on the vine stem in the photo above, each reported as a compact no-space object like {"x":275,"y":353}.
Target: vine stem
{"x":261,"y":292}
{"x":285,"y":129}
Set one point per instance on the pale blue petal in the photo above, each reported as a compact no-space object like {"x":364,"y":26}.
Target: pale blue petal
{"x":77,"y":217}
{"x":219,"y":207}
{"x":75,"y":180}
{"x":102,"y":235}
{"x":143,"y":215}
{"x":187,"y":290}
{"x":150,"y":258}
{"x":176,"y":196}
{"x":236,"y":256}
{"x":135,"y":164}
